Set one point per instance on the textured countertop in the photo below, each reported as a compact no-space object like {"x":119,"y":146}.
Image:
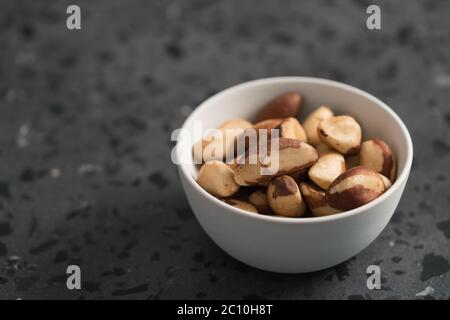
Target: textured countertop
{"x":85,"y":124}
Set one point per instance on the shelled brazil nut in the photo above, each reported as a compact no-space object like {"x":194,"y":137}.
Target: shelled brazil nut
{"x":294,"y":155}
{"x":285,"y":198}
{"x":354,"y":188}
{"x":313,"y":168}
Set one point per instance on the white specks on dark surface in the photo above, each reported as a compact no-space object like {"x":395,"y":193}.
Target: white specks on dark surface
{"x":185,"y":110}
{"x":23,"y":135}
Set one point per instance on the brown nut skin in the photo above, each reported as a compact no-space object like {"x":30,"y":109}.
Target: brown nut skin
{"x":292,"y":129}
{"x":311,"y":122}
{"x":294,"y":155}
{"x":240,"y":204}
{"x":217,"y":178}
{"x":354,"y":188}
{"x":316,"y":201}
{"x":327,"y":169}
{"x":342,"y":133}
{"x":376,"y":154}
{"x":283,"y":106}
{"x":351,"y":161}
{"x":284,"y":197}
{"x":259,"y":200}
{"x":228,"y":143}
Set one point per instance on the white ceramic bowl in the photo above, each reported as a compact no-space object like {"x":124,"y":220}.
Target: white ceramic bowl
{"x":296,"y":245}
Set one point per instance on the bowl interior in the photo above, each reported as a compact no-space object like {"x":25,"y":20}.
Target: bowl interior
{"x":243,"y":101}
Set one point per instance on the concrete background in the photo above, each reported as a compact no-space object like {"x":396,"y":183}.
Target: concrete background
{"x":85,"y":123}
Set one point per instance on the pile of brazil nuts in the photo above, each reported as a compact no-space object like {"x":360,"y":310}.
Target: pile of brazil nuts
{"x":324,"y":167}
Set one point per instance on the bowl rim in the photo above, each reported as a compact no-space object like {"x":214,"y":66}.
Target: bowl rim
{"x":293,"y":220}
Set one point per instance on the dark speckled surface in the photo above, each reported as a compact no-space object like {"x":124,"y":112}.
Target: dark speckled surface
{"x":85,"y":123}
